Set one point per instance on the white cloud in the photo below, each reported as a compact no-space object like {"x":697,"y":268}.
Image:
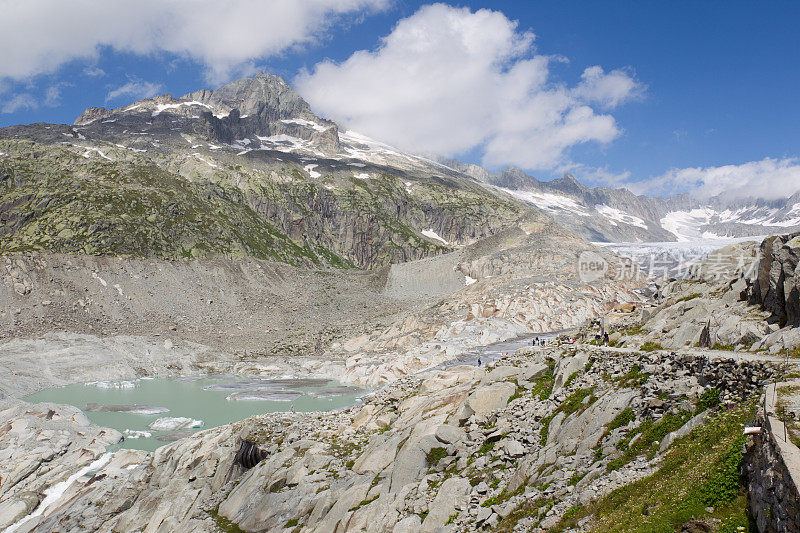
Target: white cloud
{"x":768,"y":178}
{"x":135,"y":89}
{"x":18,"y":102}
{"x":52,"y":95}
{"x":448,"y":80}
{"x":94,"y":71}
{"x":608,"y":90}
{"x":226,"y":36}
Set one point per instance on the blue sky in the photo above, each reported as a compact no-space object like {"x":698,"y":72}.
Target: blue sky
{"x":710,"y":102}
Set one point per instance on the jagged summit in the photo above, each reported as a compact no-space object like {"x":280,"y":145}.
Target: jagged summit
{"x":253,"y":96}
{"x":243,"y":111}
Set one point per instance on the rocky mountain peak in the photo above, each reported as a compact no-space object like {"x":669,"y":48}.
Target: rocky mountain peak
{"x":568,"y":184}
{"x":254,"y":95}
{"x":247,"y":109}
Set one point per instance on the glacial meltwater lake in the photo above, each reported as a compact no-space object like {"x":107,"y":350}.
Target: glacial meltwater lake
{"x":152,"y":412}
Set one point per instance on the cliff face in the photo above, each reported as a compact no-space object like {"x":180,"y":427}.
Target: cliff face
{"x":53,"y":200}
{"x":775,"y":285}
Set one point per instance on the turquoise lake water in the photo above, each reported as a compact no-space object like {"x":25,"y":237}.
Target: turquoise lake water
{"x":212,"y":401}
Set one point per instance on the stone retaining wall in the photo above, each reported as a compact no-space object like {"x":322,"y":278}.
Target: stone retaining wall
{"x":772,"y":469}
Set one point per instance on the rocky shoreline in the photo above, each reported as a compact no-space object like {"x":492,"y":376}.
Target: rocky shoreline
{"x":462,"y":448}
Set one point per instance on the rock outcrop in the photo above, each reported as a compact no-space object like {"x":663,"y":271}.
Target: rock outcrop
{"x":775,"y":285}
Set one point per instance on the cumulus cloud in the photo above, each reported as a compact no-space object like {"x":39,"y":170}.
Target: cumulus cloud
{"x":768,"y":178}
{"x":448,"y":80}
{"x":18,"y":102}
{"x":38,"y":36}
{"x":136,"y":89}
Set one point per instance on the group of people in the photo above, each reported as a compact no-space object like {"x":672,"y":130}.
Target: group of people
{"x":538,"y":342}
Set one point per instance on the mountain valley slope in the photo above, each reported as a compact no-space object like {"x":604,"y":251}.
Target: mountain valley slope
{"x":233,"y":231}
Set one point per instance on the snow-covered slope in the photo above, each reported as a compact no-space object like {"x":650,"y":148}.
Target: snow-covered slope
{"x":617,"y":215}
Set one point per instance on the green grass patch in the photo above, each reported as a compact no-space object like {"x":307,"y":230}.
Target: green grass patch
{"x":223,"y":524}
{"x":650,"y":346}
{"x":486,"y":447}
{"x":543,"y":386}
{"x":726,"y":347}
{"x":435,"y":455}
{"x":708,"y":400}
{"x":633,"y":378}
{"x":625,"y":417}
{"x":573,"y":403}
{"x":690,"y":297}
{"x":700,"y":470}
{"x":652,"y":433}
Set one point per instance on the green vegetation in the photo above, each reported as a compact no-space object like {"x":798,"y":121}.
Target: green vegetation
{"x":690,"y":297}
{"x":543,"y":386}
{"x":650,"y":346}
{"x":726,"y":347}
{"x":575,"y":478}
{"x":708,"y":400}
{"x":700,"y":470}
{"x":633,"y":330}
{"x":223,"y":524}
{"x":570,"y":379}
{"x":486,"y":447}
{"x":577,"y":401}
{"x":527,"y":509}
{"x":435,"y":455}
{"x":365,"y":502}
{"x":633,"y":378}
{"x":625,"y":417}
{"x":54,"y":200}
{"x":650,"y":434}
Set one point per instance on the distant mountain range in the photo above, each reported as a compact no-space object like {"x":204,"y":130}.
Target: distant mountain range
{"x":602,"y":214}
{"x":249,"y":170}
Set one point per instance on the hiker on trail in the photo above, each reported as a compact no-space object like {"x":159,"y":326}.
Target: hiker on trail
{"x":605,"y":338}
{"x":479,"y":361}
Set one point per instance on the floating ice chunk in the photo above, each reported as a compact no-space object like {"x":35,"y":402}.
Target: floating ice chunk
{"x":286,"y":395}
{"x":134,"y":409}
{"x":114,"y":384}
{"x":335,"y":390}
{"x":171,"y":424}
{"x":136,"y":434}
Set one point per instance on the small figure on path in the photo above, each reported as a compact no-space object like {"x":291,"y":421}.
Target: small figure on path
{"x":479,"y":361}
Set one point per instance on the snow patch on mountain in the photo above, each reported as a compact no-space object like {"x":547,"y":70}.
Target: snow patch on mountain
{"x":549,"y":201}
{"x":685,"y":225}
{"x":311,"y":172}
{"x":307,"y":123}
{"x":164,"y":107}
{"x":429,"y":233}
{"x":615,"y":215}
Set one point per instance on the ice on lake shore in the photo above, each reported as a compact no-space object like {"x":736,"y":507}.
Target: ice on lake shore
{"x":174,"y":423}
